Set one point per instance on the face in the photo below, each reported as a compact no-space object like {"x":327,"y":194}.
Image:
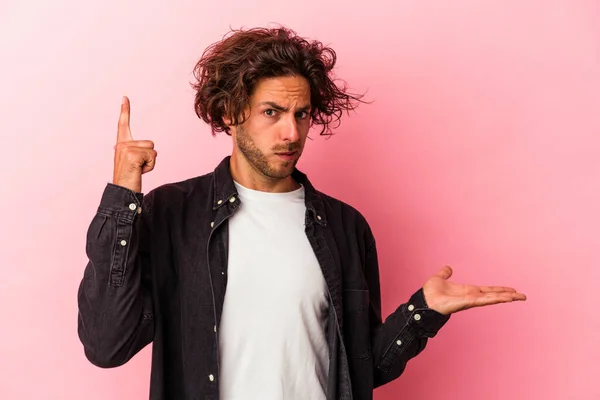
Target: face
{"x":272,"y":138}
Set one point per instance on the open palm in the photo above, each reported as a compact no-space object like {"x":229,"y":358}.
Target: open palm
{"x":447,"y":297}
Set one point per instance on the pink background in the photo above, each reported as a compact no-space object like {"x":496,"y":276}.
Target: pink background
{"x":480,"y":151}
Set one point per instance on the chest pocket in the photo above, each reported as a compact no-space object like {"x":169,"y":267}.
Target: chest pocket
{"x":357,"y":336}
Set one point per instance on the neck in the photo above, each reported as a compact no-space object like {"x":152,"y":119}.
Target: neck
{"x":246,"y":175}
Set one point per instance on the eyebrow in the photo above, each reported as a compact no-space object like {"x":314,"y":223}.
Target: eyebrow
{"x":282,"y":108}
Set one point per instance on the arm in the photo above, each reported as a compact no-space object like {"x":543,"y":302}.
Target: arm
{"x":115,"y":301}
{"x":115,"y":296}
{"x":404,"y":333}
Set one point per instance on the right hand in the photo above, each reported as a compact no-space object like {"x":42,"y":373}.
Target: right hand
{"x":132,"y":157}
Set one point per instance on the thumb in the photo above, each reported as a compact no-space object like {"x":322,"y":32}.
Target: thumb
{"x":444,"y":273}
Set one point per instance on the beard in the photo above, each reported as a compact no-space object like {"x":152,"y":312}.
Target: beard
{"x":258,"y":160}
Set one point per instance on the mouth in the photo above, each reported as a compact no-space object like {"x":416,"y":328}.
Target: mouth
{"x":288,"y":155}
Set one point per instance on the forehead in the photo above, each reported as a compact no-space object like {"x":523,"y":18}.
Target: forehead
{"x":285,"y":90}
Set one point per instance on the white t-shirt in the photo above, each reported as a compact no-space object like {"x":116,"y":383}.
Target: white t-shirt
{"x":272,"y":332}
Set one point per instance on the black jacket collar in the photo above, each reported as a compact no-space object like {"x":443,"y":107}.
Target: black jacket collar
{"x":225,"y":190}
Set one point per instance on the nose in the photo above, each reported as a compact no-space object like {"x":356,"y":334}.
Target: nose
{"x":290,"y":131}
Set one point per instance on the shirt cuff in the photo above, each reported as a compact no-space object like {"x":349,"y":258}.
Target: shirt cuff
{"x":423,"y":319}
{"x":121,"y":202}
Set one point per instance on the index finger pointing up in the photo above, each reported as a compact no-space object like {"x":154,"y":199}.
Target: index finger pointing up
{"x":123,"y":130}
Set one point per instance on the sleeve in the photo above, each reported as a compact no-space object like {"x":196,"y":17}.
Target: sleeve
{"x":115,"y":319}
{"x":404,"y":333}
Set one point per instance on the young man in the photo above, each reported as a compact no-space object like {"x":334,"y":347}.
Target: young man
{"x":250,"y":283}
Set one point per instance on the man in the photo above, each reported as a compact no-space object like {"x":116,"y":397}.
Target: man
{"x":250,"y":283}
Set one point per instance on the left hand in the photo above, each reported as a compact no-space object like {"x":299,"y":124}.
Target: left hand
{"x":447,"y":297}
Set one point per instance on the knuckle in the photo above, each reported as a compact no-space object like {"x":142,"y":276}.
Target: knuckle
{"x":131,"y":155}
{"x":123,"y":147}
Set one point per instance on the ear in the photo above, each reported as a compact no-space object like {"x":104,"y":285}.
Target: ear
{"x":227,"y":120}
{"x":226,"y":117}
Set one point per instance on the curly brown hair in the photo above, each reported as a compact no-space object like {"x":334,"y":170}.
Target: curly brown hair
{"x":229,"y":70}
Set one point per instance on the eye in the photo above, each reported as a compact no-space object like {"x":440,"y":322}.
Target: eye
{"x":270,"y":112}
{"x":302,"y":115}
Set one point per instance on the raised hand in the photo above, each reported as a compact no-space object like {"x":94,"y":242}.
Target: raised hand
{"x":132,"y":157}
{"x":447,"y":297}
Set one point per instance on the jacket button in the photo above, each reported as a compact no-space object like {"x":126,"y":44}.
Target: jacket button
{"x":411,"y":307}
{"x":123,"y":242}
{"x":220,"y":202}
{"x":417,"y":317}
{"x":399,"y":342}
{"x":212,"y":224}
{"x":132,"y":206}
{"x":211,"y":378}
{"x":232,"y":199}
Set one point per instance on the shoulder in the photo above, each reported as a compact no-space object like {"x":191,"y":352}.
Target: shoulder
{"x":338,"y":205}
{"x":181,"y":191}
{"x":346,"y":215}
